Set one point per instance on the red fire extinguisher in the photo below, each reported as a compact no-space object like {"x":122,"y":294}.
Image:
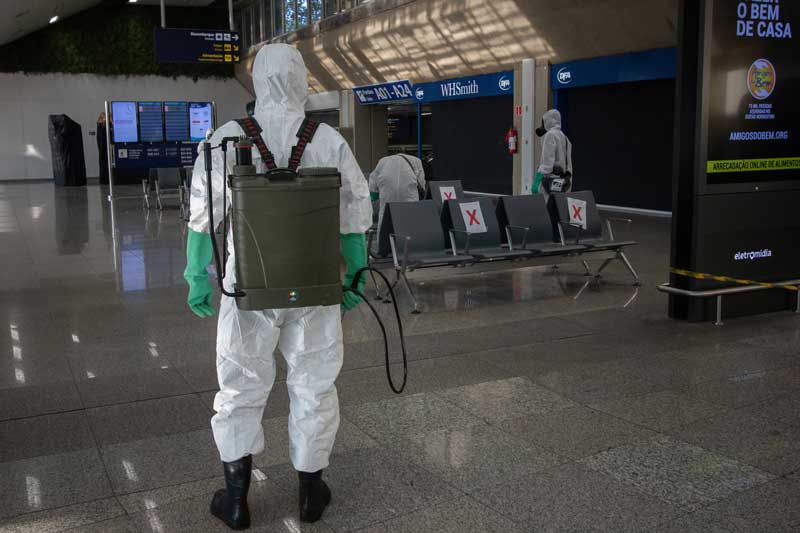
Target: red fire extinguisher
{"x":511,"y":140}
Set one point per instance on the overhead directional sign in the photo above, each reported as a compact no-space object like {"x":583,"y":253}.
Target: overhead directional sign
{"x":384,"y":92}
{"x":176,"y":45}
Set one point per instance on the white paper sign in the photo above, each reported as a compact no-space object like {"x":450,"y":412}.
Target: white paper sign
{"x":577,"y":212}
{"x":473,"y":217}
{"x":448,"y":193}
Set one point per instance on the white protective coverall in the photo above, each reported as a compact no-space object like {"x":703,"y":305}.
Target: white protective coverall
{"x":310,"y":338}
{"x":397,"y":178}
{"x":556,"y":147}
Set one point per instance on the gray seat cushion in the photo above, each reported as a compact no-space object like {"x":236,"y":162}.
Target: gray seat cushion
{"x":550,"y":248}
{"x":602,"y":244}
{"x":443,"y":258}
{"x":499,"y":253}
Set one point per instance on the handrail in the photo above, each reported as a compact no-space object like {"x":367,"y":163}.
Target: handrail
{"x":724,"y":291}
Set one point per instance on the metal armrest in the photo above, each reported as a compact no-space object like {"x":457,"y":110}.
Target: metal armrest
{"x":406,"y":240}
{"x":453,"y":240}
{"x":525,"y":230}
{"x":578,"y":227}
{"x":615,"y":219}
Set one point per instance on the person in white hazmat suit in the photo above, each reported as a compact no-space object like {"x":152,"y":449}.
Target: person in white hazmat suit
{"x":396,"y":178}
{"x":310,"y":338}
{"x":556,"y":154}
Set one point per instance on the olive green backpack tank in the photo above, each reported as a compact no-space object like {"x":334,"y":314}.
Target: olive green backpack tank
{"x":285,"y":226}
{"x":286,"y":237}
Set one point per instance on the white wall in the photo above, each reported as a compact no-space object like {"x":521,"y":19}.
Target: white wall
{"x":27,"y":100}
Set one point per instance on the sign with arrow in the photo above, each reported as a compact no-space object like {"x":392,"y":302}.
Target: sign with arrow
{"x":177,"y":45}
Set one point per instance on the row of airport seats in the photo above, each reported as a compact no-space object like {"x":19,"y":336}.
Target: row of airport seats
{"x":451,"y":230}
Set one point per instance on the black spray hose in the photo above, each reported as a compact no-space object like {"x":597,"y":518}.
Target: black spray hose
{"x":354,"y":289}
{"x":207,"y":153}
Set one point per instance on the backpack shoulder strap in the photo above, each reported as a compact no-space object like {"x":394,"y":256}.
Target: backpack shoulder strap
{"x":307,"y":130}
{"x":253,"y":130}
{"x":408,"y":162}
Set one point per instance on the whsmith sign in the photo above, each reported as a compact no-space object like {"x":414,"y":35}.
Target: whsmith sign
{"x":497,"y":84}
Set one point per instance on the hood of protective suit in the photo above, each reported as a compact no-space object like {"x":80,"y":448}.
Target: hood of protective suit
{"x":552,"y":119}
{"x":280,"y":79}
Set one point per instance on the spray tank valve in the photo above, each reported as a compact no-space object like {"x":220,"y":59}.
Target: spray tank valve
{"x":244,"y":152}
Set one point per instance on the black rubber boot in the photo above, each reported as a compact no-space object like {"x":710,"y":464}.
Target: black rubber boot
{"x":230,"y":504}
{"x":314,"y":496}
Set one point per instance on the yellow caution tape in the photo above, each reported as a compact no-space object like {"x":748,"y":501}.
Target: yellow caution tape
{"x":700,"y":275}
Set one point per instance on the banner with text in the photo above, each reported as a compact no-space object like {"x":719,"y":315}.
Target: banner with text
{"x":754,"y":112}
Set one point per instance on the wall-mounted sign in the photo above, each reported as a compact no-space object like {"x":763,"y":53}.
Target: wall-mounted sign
{"x":754,"y":113}
{"x":637,"y":66}
{"x":394,"y":91}
{"x":175,"y":45}
{"x":497,"y":84}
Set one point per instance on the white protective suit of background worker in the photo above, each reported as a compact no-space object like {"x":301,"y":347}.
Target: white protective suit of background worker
{"x":397,"y":178}
{"x":556,"y":151}
{"x":310,"y":339}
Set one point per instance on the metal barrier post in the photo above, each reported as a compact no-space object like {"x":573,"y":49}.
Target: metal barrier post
{"x":719,"y":311}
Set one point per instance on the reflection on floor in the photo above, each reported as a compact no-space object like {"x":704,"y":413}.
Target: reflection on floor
{"x":527,"y":408}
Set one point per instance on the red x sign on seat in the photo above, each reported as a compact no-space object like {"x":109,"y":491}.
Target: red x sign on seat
{"x":473,"y":217}
{"x":576,"y":212}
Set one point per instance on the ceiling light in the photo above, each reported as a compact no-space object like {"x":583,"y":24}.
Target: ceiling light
{"x":132,"y":1}
{"x":53,"y":19}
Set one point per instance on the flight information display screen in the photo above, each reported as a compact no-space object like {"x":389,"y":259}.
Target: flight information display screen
{"x":151,"y":122}
{"x":201,"y":116}
{"x":123,"y":122}
{"x":176,"y":121}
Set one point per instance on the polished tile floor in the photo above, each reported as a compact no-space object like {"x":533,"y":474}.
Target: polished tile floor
{"x":534,"y":403}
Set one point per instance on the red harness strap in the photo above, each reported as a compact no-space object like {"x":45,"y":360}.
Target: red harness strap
{"x":253,"y":130}
{"x":307,"y":130}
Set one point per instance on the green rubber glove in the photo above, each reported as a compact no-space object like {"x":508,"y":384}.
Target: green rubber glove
{"x":198,"y":256}
{"x":354,"y":250}
{"x":536,"y":182}
{"x":374,"y":196}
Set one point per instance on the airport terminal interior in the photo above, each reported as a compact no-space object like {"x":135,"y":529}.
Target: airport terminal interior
{"x":589,"y":233}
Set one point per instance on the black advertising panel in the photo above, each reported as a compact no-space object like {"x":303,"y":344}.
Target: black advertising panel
{"x":151,"y":122}
{"x":736,"y":181}
{"x":175,"y":45}
{"x":749,"y":235}
{"x":176,"y":121}
{"x":754,"y":83}
{"x":123,"y":122}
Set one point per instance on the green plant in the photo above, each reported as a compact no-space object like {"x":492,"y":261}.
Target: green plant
{"x":111,"y":40}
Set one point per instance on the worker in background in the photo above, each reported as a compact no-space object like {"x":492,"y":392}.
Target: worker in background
{"x":397,"y":178}
{"x":555,"y":167}
{"x":309,"y":338}
{"x":102,"y":148}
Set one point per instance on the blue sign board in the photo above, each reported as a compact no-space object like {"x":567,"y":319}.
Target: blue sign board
{"x":393,"y":91}
{"x":137,"y":155}
{"x":638,"y":66}
{"x":175,"y":45}
{"x":497,"y":84}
